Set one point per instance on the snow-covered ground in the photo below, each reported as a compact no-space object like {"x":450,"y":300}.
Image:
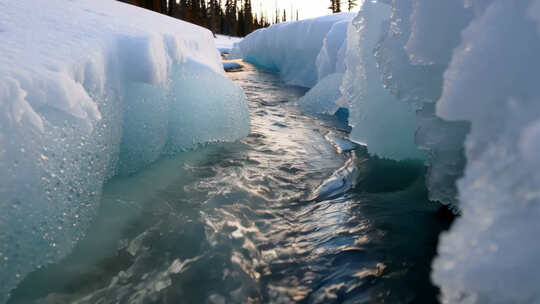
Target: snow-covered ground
{"x":90,"y":89}
{"x":452,"y":82}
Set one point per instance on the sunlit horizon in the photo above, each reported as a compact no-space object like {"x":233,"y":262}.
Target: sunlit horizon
{"x":306,"y":8}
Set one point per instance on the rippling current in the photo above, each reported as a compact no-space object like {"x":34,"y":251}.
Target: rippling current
{"x":285,"y":215}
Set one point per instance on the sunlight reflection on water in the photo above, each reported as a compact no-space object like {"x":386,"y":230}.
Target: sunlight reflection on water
{"x":244,"y":222}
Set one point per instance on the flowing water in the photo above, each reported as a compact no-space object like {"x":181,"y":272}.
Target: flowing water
{"x":288,"y":214}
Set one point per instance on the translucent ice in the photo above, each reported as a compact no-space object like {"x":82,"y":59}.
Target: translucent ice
{"x":492,"y":252}
{"x":322,"y":98}
{"x":468,"y":70}
{"x":90,"y":89}
{"x":379,"y":120}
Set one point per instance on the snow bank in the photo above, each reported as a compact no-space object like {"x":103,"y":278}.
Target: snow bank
{"x":303,"y":52}
{"x":90,"y":89}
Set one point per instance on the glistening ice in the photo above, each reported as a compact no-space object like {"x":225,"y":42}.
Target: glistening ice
{"x":92,"y":89}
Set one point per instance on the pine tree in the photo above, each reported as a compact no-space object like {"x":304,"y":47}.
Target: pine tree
{"x":182,"y":9}
{"x":213,"y":17}
{"x":352,"y":4}
{"x":204,"y":14}
{"x":248,"y":17}
{"x":241,"y":24}
{"x":234,"y":17}
{"x":171,"y":6}
{"x":335,"y":6}
{"x":228,"y":17}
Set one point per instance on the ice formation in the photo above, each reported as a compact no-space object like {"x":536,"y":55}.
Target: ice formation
{"x":386,"y":125}
{"x":491,"y":253}
{"x":90,"y":89}
{"x":300,"y":50}
{"x":323,"y":96}
{"x":467,"y":68}
{"x":413,"y":73}
{"x":331,"y":58}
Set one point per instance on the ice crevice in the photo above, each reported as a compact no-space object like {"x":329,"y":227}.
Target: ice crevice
{"x":90,"y":90}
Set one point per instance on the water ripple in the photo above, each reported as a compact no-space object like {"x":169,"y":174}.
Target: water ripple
{"x":277,"y":217}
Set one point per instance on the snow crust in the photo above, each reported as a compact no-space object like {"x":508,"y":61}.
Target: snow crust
{"x":90,"y":89}
{"x":303,"y":52}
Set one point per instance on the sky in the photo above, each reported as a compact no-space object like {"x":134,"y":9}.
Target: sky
{"x":306,"y":8}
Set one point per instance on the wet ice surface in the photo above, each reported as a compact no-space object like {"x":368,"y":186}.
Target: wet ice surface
{"x":279,"y":217}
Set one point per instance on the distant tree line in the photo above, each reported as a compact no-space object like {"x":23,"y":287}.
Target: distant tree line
{"x":227,"y":17}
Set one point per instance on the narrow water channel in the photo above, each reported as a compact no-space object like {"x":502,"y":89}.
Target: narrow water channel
{"x":281,"y":216}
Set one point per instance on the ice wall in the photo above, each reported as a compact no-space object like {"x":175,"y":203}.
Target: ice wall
{"x":379,"y":120}
{"x":393,"y":80}
{"x":303,"y":52}
{"x":467,"y":68}
{"x":331,"y":57}
{"x":491,"y":254}
{"x":412,"y":57}
{"x":90,"y":89}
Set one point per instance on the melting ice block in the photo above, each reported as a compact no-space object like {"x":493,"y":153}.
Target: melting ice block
{"x":90,"y":89}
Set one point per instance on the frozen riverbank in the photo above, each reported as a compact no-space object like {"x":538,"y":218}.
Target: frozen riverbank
{"x":89,"y":90}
